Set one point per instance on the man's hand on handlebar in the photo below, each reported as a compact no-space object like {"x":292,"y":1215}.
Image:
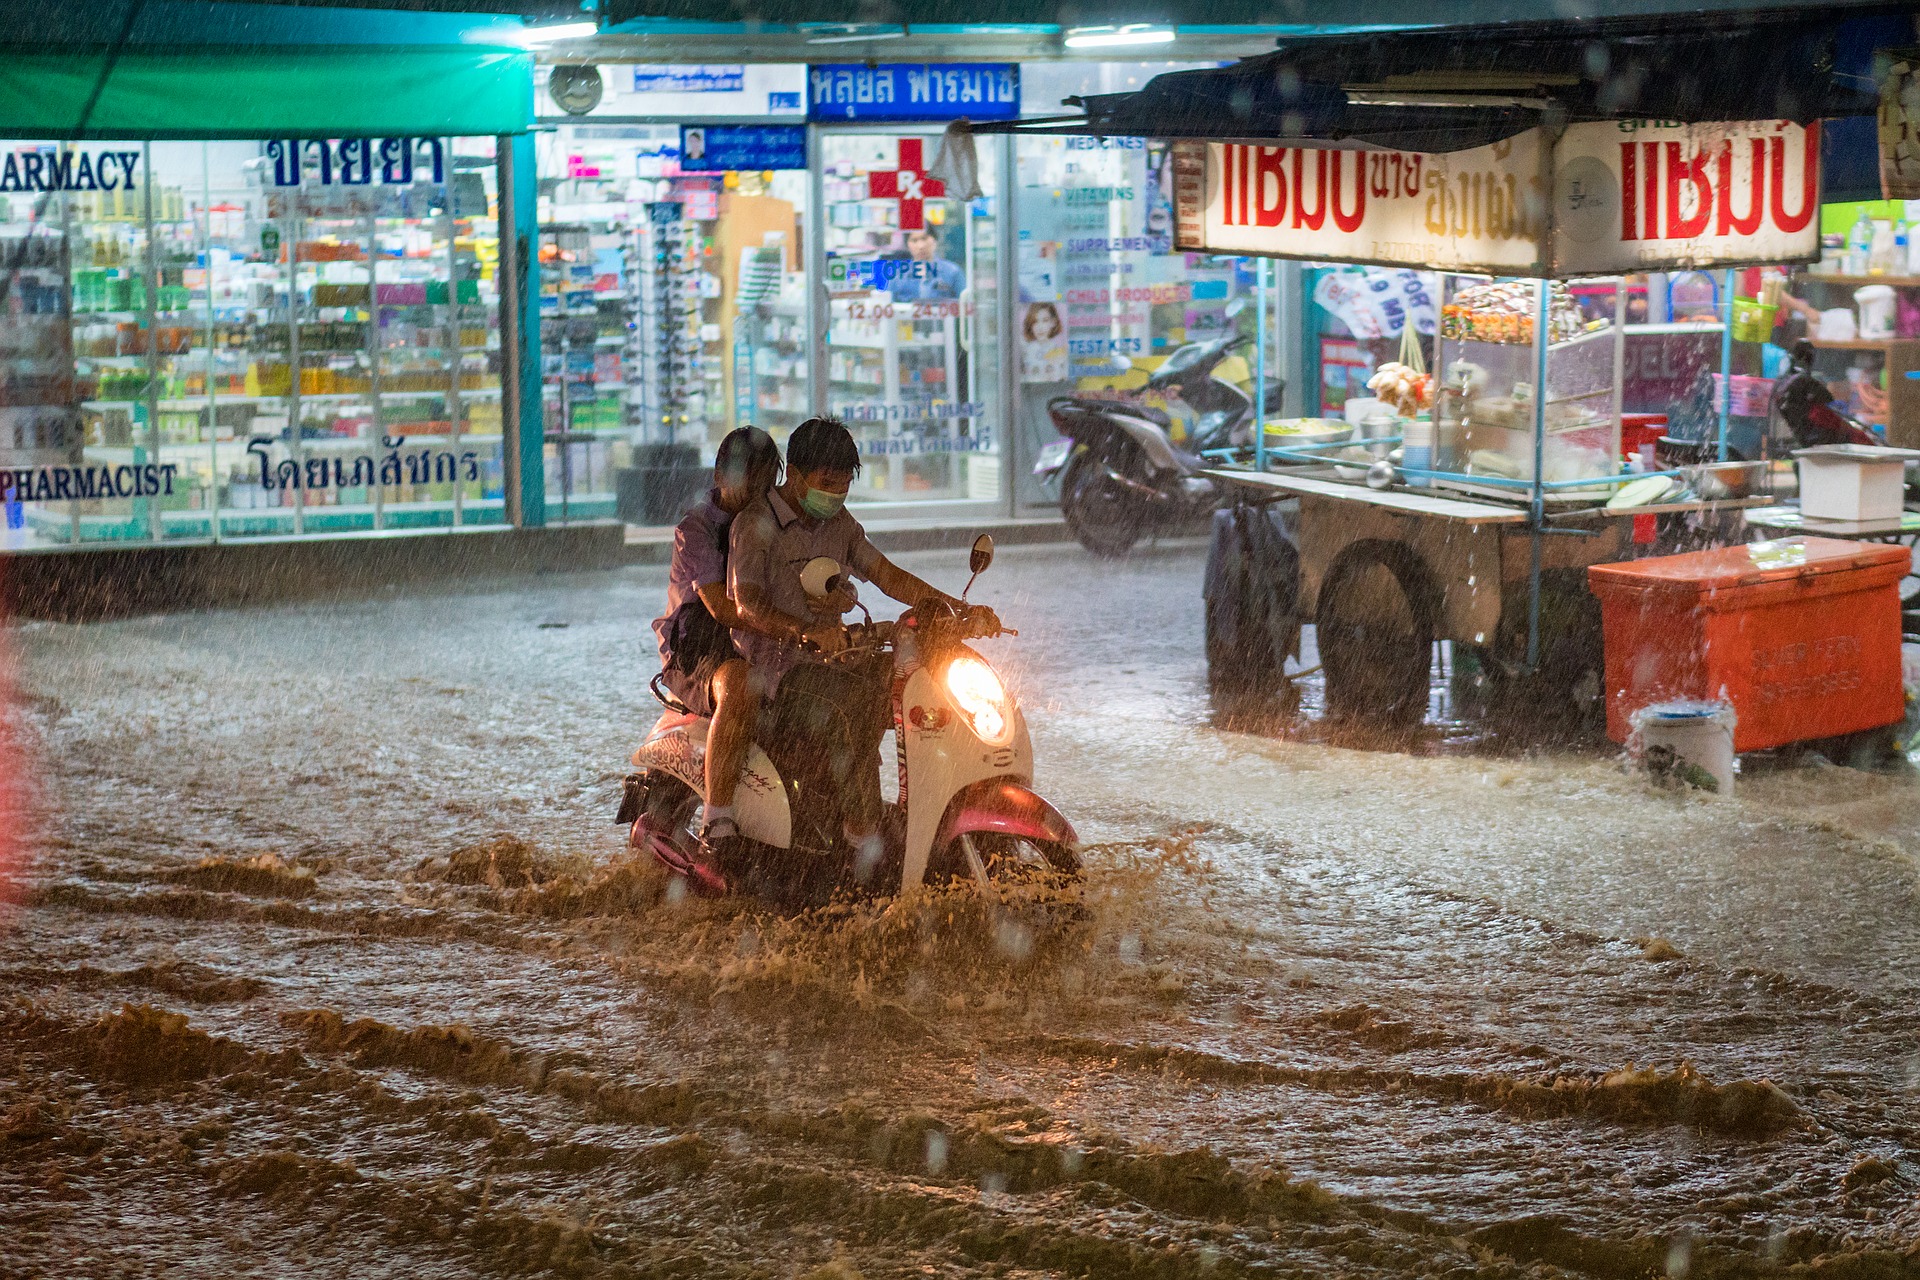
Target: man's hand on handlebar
{"x":829,"y":637}
{"x":843,"y":598}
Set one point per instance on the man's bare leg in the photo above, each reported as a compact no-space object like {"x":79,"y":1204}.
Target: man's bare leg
{"x":736,"y":704}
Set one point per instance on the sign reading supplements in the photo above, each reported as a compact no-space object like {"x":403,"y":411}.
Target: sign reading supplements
{"x":1606,"y":197}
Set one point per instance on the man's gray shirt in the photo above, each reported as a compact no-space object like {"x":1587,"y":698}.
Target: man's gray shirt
{"x":771,"y":544}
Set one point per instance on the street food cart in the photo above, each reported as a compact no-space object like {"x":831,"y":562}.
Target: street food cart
{"x":1474,"y":515}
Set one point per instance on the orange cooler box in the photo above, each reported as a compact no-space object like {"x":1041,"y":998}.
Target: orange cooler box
{"x":1802,"y":637}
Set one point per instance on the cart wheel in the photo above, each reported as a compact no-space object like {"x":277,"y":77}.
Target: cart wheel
{"x":1377,"y":612}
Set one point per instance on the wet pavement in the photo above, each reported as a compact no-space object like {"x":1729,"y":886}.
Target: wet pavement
{"x":328,"y":961}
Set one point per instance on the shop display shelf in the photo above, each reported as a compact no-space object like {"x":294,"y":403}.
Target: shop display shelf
{"x":1856,"y":344}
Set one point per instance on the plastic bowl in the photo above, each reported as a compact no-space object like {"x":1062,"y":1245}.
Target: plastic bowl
{"x":1284,"y":432}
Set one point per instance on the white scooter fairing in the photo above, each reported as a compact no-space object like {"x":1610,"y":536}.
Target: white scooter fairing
{"x":677,"y":746}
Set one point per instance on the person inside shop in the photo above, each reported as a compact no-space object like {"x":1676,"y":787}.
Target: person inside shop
{"x":787,"y":638}
{"x":926,"y":276}
{"x":701,"y":668}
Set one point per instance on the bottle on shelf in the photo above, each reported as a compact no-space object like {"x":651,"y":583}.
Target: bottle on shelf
{"x":1880,"y":259}
{"x":1859,"y":244}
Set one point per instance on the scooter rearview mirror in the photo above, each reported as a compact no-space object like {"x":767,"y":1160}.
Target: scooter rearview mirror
{"x":979,"y":559}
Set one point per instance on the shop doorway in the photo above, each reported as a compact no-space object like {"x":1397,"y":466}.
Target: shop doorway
{"x":674,"y":309}
{"x":909,"y":272}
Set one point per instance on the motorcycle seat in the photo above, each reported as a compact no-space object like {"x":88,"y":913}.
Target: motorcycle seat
{"x":1133,"y":409}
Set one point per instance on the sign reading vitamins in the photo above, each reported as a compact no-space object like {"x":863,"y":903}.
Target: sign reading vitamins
{"x":1607,"y":197}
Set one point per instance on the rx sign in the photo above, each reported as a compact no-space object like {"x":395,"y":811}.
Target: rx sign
{"x":908,"y":184}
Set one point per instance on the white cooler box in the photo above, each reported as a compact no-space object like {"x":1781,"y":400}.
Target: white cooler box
{"x":1853,"y":481}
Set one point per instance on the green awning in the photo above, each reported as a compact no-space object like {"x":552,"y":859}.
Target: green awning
{"x":258,"y":92}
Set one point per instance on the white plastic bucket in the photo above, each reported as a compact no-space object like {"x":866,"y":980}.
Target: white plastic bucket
{"x":1699,"y":733}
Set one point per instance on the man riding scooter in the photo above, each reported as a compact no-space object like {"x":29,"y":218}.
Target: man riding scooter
{"x":844,"y":708}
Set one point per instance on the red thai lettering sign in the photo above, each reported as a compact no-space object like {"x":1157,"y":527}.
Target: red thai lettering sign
{"x":1603,"y":198}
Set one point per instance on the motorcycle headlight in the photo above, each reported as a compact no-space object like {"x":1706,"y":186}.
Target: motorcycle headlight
{"x":979,"y":696}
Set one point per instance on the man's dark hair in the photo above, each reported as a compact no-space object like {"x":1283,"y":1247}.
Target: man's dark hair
{"x":747,"y":455}
{"x":823,"y":444}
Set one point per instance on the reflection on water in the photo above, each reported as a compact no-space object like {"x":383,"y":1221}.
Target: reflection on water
{"x":328,"y":929}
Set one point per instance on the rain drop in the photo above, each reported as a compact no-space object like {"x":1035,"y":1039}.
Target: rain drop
{"x":936,"y":1152}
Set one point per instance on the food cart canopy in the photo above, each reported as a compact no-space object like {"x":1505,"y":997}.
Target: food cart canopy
{"x":1456,"y":88}
{"x":1464,"y":87}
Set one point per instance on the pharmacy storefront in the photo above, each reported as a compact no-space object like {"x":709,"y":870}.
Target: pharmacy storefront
{"x":270,"y":308}
{"x":758,"y":243}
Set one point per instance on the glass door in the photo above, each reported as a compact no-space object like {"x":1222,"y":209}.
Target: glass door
{"x":911,"y":271}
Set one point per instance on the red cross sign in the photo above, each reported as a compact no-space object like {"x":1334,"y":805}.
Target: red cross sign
{"x":909,"y":184}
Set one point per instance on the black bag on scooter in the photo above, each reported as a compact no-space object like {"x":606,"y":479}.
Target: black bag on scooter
{"x":696,"y":644}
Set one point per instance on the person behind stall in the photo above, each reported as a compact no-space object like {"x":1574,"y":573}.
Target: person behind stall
{"x":700,"y":667}
{"x":844,"y":710}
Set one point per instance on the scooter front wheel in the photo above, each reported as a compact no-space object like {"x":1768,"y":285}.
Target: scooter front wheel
{"x":992,"y":858}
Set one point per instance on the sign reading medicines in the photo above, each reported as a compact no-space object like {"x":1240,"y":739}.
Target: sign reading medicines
{"x":1604,"y":198}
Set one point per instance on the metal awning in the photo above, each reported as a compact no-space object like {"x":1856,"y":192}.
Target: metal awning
{"x":1438,"y":91}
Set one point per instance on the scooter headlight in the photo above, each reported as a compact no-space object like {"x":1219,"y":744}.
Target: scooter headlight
{"x":979,"y":696}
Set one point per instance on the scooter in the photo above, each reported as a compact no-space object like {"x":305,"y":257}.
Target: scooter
{"x":1122,"y":471}
{"x":967,"y":809}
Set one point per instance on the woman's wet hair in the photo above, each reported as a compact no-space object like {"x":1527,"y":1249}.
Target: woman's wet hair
{"x":747,"y":457}
{"x":823,"y":444}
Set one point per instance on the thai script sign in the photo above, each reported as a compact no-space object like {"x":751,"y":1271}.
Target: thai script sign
{"x":690,"y":79}
{"x":936,"y":412}
{"x":914,"y":91}
{"x":714,"y":148}
{"x":354,"y":162}
{"x":395,"y":466}
{"x":50,"y":170}
{"x":1605,"y":197}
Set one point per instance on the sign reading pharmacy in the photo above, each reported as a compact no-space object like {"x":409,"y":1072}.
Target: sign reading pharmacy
{"x":914,"y":91}
{"x":1602,"y":198}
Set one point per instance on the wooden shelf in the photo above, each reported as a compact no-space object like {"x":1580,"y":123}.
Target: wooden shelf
{"x":1905,"y":282}
{"x":1858,"y":344}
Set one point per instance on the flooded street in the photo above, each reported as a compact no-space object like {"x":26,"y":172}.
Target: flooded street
{"x":327,"y":960}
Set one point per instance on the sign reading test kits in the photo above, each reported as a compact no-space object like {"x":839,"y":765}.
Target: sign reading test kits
{"x":1603,"y":198}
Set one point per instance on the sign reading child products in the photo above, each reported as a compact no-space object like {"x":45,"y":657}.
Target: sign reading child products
{"x":1605,"y":198}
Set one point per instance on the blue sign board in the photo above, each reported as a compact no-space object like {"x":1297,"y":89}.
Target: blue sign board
{"x":914,"y":91}
{"x":715,"y":148}
{"x":690,"y":79}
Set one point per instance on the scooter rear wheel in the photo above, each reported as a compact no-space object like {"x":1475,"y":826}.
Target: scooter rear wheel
{"x":665,"y":830}
{"x":1105,"y":515}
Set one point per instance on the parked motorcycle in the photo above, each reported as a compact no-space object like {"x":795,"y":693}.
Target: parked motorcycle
{"x":1122,"y":471}
{"x":967,"y":808}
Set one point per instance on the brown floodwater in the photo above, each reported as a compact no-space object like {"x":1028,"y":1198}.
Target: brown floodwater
{"x":325,"y":959}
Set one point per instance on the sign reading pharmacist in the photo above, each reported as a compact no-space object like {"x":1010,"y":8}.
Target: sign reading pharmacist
{"x":1620,"y":197}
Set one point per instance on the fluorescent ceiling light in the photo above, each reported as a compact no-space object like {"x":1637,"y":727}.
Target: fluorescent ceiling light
{"x":850,"y":32}
{"x":559,"y":31}
{"x":1403,"y":99}
{"x":1114,"y":37}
